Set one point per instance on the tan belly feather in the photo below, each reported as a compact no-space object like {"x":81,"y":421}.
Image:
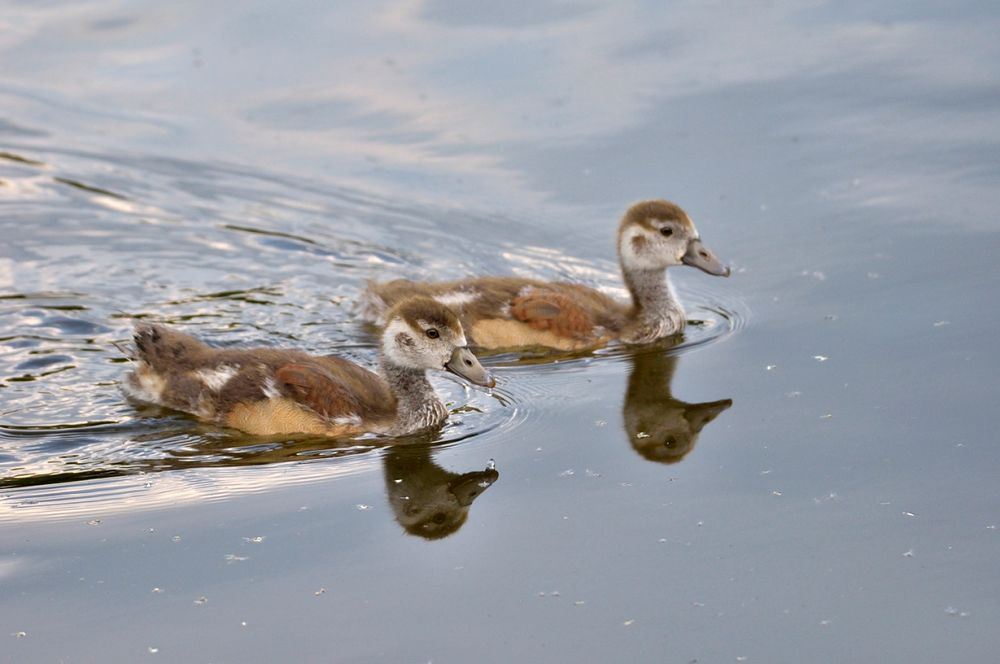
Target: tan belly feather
{"x":502,"y":333}
{"x":282,"y":416}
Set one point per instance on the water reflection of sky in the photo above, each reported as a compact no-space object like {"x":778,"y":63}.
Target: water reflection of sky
{"x":491,"y":103}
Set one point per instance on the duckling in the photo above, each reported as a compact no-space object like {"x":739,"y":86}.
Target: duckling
{"x":267,"y":391}
{"x":511,"y":312}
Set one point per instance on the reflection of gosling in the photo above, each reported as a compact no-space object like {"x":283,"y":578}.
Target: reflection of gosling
{"x":508,"y":312}
{"x":660,"y":427}
{"x":426,"y":499}
{"x":269,"y":391}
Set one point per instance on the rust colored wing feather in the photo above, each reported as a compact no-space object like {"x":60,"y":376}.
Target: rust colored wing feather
{"x":556,"y":312}
{"x":316,"y":387}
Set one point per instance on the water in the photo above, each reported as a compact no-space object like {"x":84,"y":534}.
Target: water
{"x":242,"y":173}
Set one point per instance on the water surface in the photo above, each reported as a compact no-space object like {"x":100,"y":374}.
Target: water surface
{"x":809,"y":475}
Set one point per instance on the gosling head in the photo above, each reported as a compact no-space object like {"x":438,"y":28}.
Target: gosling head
{"x":655,"y":235}
{"x":422,"y":333}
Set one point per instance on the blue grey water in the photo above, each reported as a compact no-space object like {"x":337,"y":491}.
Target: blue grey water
{"x":810,"y":476}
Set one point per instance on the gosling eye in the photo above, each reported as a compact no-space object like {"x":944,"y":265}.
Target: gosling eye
{"x":433,"y":333}
{"x":666,"y":231}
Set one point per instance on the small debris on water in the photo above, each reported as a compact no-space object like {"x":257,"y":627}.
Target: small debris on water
{"x":591,"y":473}
{"x":824,"y":623}
{"x":942,"y":323}
{"x":908,"y":554}
{"x":740,"y":658}
{"x":94,"y":522}
{"x":157,"y":590}
{"x":201,"y":601}
{"x":775,"y":493}
{"x":152,"y":650}
{"x":579,"y":602}
{"x":600,"y":423}
{"x":765,"y":472}
{"x":793,"y":394}
{"x":952,"y":611}
{"x":363,"y":507}
{"x":319,"y":592}
{"x":19,"y":635}
{"x":175,"y":538}
{"x":233,"y":558}
{"x":908,"y":514}
{"x":569,"y":472}
{"x":255,"y":540}
{"x":830,"y":317}
{"x":771,"y":367}
{"x":628,"y":622}
{"x":826,"y":416}
{"x":820,"y":358}
{"x":815,"y":274}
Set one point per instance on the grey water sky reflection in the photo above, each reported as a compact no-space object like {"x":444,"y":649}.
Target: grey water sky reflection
{"x":479,"y":101}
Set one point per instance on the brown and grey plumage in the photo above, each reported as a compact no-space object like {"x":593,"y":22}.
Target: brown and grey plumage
{"x":511,"y":312}
{"x":267,"y":391}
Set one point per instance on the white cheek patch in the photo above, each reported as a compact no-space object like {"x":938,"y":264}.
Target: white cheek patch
{"x":215,"y":379}
{"x":456,"y":298}
{"x":637,"y":251}
{"x":393,"y":352}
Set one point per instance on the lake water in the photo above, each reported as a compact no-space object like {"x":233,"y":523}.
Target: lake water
{"x":810,"y":476}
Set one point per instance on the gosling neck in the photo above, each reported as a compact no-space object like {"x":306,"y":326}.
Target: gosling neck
{"x":417,"y":404}
{"x":652,"y":295}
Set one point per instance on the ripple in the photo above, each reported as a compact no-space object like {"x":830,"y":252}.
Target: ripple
{"x":82,"y":495}
{"x":241,"y":257}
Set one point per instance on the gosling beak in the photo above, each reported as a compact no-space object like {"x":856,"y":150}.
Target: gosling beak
{"x":701,"y":257}
{"x":463,"y":363}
